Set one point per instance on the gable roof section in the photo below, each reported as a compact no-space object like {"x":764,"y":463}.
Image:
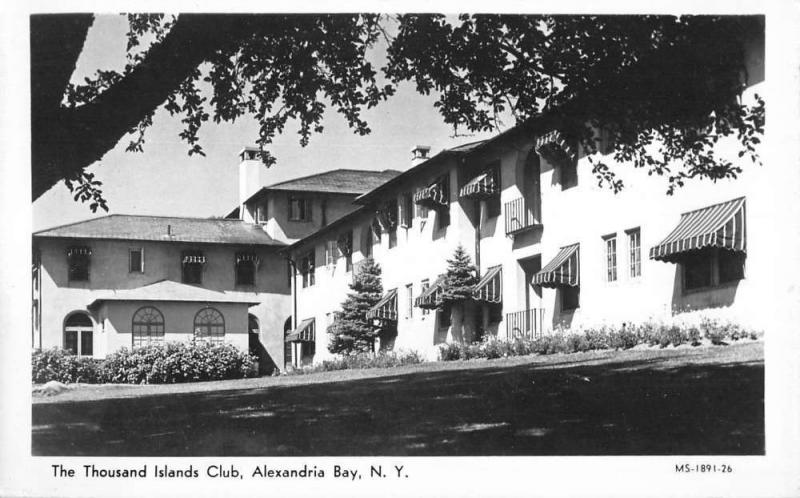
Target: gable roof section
{"x":163,"y":229}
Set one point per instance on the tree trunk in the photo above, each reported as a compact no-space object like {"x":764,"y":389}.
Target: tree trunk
{"x":456,"y":332}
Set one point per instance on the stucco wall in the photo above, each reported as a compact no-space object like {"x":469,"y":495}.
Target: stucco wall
{"x":115,"y":322}
{"x":109,"y":270}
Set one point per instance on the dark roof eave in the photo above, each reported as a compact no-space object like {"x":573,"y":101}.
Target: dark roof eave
{"x":272,"y":243}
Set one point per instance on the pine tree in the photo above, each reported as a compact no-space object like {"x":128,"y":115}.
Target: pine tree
{"x":459,"y":282}
{"x":352,"y":331}
{"x":460,"y":278}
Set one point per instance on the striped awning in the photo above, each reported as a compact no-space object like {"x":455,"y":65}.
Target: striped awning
{"x":247,"y":256}
{"x":305,"y":332}
{"x":386,"y":309}
{"x":79,"y":251}
{"x":194,"y":258}
{"x":434,"y":194}
{"x":483,"y":185}
{"x":490,"y":287}
{"x":563,"y":270}
{"x":721,"y":225}
{"x":555,"y":147}
{"x":430,"y":297}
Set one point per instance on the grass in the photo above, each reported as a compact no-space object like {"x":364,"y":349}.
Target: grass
{"x":706,"y":400}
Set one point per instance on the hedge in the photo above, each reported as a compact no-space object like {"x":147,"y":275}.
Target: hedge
{"x":168,"y":363}
{"x":624,"y":337}
{"x":361,"y":361}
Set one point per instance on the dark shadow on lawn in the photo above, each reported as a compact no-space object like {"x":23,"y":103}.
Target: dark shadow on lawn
{"x":642,"y":407}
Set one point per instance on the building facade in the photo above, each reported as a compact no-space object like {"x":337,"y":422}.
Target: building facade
{"x":553,"y":248}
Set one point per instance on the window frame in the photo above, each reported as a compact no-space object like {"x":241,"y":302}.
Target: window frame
{"x":79,"y":332}
{"x":200,"y":268}
{"x":237,"y":266}
{"x":634,"y":252}
{"x":610,"y":253}
{"x":303,"y":214}
{"x":410,"y":300}
{"x":423,"y":286}
{"x":72,"y":262}
{"x":212,"y":337}
{"x":161,"y":324}
{"x":140,"y":250}
{"x":711,"y":258}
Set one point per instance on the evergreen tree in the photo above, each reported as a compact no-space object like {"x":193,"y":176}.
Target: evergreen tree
{"x":352,"y":331}
{"x":460,"y":278}
{"x":459,"y":282}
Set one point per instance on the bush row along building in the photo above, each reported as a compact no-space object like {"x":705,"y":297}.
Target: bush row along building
{"x":553,"y":249}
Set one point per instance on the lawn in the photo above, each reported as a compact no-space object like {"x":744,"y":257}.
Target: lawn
{"x":706,"y":400}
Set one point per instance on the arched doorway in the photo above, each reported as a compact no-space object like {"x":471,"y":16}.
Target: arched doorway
{"x":79,"y":334}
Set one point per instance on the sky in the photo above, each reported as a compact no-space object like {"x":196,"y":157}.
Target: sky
{"x":164,"y":180}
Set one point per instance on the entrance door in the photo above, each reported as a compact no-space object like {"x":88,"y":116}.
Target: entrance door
{"x":79,"y":334}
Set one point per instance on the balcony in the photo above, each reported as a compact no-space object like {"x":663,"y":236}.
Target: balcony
{"x":521,"y":217}
{"x":527,"y":324}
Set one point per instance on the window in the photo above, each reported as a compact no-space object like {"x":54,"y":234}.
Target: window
{"x":570,"y":298}
{"x":406,"y":210}
{"x":493,"y":206}
{"x":261,"y":212}
{"x":444,"y":318}
{"x":712,"y":267}
{"x":409,"y":300}
{"x":147,"y":326}
{"x":209,"y":325}
{"x":569,"y":174}
{"x":423,"y":287}
{"x":422,"y":214}
{"x":495,"y":312}
{"x":78,"y":259}
{"x":611,"y":257}
{"x":634,"y":253}
{"x":307,"y":269}
{"x":79,"y":334}
{"x":136,"y":260}
{"x":246,"y":266}
{"x":443,"y":215}
{"x":331,"y":253}
{"x":299,"y":209}
{"x":192,"y":267}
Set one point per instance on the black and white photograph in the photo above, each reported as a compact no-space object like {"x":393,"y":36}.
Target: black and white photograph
{"x":409,"y":253}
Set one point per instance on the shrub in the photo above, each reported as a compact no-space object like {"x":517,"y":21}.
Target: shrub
{"x":362,"y":361}
{"x":624,"y":338}
{"x":450,"y":352}
{"x":58,"y":364}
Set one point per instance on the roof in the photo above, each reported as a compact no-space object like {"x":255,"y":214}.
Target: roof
{"x":169,"y":290}
{"x":336,"y":181}
{"x":331,"y":227}
{"x":459,"y":150}
{"x":163,"y":229}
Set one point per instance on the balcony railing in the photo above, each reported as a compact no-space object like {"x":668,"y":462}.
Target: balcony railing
{"x":527,"y":324}
{"x":520,"y":216}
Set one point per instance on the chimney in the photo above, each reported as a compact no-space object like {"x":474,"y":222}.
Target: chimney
{"x":419,"y":154}
{"x":252,"y":176}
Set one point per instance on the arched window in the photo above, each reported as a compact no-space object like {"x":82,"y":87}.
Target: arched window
{"x":209,"y":325}
{"x":148,"y":326}
{"x":79,"y":334}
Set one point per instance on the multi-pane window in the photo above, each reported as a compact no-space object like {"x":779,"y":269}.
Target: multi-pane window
{"x":299,"y":209}
{"x":422,"y":213}
{"x":136,"y":260}
{"x":261,"y":212}
{"x":192,"y":263}
{"x":634,"y":253}
{"x":425,"y":284}
{"x":209,"y":325}
{"x":147,"y":326}
{"x":79,"y":335}
{"x":331,"y":252}
{"x":78,"y":259}
{"x":611,"y":258}
{"x":409,"y":300}
{"x":307,"y":269}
